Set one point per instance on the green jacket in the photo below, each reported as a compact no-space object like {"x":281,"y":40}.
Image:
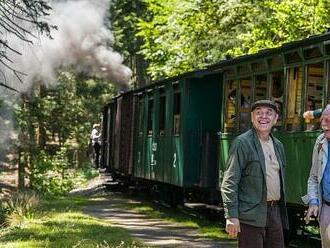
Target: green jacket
{"x":243,"y":189}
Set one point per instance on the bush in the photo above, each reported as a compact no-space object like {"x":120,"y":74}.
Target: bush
{"x":51,"y":174}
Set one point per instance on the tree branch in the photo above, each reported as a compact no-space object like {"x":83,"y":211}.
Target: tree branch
{"x":15,"y":16}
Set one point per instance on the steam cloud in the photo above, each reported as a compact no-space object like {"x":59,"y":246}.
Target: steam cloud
{"x":81,"y":41}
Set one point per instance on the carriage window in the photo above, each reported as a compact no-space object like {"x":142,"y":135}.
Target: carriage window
{"x":276,"y":61}
{"x":314,"y":92}
{"x":176,"y":113}
{"x":245,"y":104}
{"x":150,"y":115}
{"x":162,"y":112}
{"x":260,"y":66}
{"x":140,"y":110}
{"x":261,"y":87}
{"x":243,"y":69}
{"x":277,"y":79}
{"x":294,"y":114}
{"x":231,"y":93}
{"x":327,"y":48}
{"x":327,"y":95}
{"x":230,"y":72}
{"x":312,"y":53}
{"x":113,"y":123}
{"x":292,"y":57}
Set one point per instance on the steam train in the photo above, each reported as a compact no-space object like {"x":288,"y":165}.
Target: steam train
{"x":174,"y":135}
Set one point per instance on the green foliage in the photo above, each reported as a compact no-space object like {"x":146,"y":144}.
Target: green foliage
{"x":83,"y":174}
{"x":124,"y":16}
{"x":55,"y":125}
{"x":287,"y":20}
{"x":185,"y":35}
{"x":180,"y":36}
{"x":51,"y":174}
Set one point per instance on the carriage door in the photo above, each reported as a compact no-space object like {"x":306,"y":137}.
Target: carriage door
{"x":177,"y":128}
{"x":151,"y":160}
{"x":244,"y":102}
{"x":161,"y":144}
{"x":277,"y":94}
{"x":140,"y":136}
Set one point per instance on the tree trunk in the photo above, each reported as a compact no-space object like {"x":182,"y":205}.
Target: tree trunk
{"x":21,"y":170}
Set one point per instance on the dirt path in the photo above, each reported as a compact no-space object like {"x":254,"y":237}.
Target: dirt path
{"x":151,"y":231}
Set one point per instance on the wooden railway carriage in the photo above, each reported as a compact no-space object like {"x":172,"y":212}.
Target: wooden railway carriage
{"x":296,"y":76}
{"x":108,"y":121}
{"x":117,"y":131}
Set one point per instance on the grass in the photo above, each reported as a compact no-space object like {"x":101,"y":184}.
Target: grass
{"x":83,"y":175}
{"x":207,"y":229}
{"x":61,"y":223}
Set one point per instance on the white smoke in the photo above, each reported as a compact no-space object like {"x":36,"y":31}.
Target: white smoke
{"x":82,"y":42}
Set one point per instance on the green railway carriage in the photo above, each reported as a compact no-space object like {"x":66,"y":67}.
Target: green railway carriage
{"x":176,"y":127}
{"x":166,"y":133}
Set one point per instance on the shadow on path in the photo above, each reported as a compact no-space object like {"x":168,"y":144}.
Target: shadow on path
{"x":152,"y":232}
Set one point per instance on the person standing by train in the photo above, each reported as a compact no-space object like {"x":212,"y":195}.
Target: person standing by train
{"x":253,"y":185}
{"x":314,"y":113}
{"x":318,"y":184}
{"x":96,"y":143}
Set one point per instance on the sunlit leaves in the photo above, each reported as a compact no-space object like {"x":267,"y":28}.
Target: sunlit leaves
{"x":184,"y":35}
{"x":288,"y":20}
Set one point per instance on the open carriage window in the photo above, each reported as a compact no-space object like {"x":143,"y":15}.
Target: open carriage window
{"x":294,"y":96}
{"x":162,"y":107}
{"x":261,"y":87}
{"x":277,"y":91}
{"x":238,"y":101}
{"x":245,"y":104}
{"x":176,"y":111}
{"x":230,"y":111}
{"x":141,"y":116}
{"x":314,"y":93}
{"x":150,"y":115}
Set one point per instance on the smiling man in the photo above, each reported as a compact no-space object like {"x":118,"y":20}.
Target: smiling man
{"x":318,"y":186}
{"x":253,"y":184}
